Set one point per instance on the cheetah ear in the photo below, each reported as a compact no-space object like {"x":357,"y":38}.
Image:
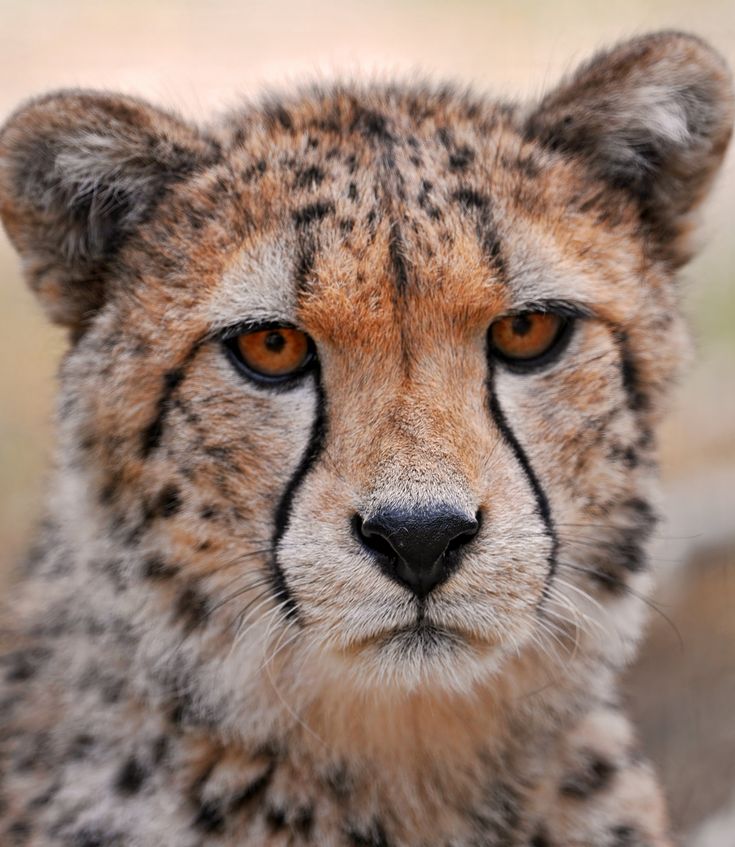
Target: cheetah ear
{"x":653,"y":117}
{"x":79,"y":172}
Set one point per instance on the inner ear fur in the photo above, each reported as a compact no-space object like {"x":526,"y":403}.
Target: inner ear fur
{"x":80,"y":171}
{"x":651,"y":117}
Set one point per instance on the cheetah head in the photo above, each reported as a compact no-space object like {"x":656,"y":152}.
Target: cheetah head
{"x":364,"y":382}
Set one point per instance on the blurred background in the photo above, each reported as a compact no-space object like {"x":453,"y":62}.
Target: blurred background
{"x":202,"y":57}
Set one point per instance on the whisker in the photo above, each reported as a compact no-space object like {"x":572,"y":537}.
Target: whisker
{"x":629,"y":590}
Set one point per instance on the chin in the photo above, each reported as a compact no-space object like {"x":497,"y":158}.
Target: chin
{"x":422,"y":656}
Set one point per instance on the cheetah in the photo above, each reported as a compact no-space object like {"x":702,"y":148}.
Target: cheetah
{"x":345,"y":543}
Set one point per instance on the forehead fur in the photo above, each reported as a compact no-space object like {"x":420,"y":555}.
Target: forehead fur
{"x":362,"y":199}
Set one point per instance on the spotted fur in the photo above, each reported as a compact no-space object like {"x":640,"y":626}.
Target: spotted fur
{"x":201,"y":652}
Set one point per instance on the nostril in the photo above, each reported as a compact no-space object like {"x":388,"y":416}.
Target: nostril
{"x":371,"y":539}
{"x":465,"y":537}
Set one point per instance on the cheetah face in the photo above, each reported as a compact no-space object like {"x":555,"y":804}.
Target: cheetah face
{"x":368,"y":379}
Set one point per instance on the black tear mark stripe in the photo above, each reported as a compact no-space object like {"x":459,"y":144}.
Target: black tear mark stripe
{"x":542,"y":501}
{"x":313,"y":450}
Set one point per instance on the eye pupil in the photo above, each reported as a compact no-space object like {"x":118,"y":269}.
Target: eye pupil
{"x":521,"y":325}
{"x":275,"y":342}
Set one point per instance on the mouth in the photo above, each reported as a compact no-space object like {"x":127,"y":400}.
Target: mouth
{"x":442,"y":654}
{"x":421,"y":637}
{"x":421,"y":634}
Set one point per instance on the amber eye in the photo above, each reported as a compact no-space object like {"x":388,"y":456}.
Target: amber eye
{"x":527,"y":337}
{"x":273,"y":353}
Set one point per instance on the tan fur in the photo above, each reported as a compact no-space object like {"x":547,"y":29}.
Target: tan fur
{"x":208,"y":654}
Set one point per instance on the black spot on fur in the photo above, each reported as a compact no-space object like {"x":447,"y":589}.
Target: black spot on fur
{"x":310,"y":177}
{"x":19,"y":832}
{"x":182,"y":710}
{"x":444,"y":137}
{"x":130,"y":777}
{"x":23,"y":665}
{"x":373,"y":125}
{"x":303,"y":821}
{"x":155,"y":567}
{"x":168,"y":502}
{"x":314,"y":212}
{"x":397,"y":258}
{"x":110,"y":490}
{"x":277,"y":115}
{"x":210,"y":818}
{"x":624,"y":455}
{"x":502,"y":825}
{"x":540,"y":839}
{"x":220,"y":452}
{"x":252,"y":791}
{"x":596,"y":775}
{"x":352,"y":191}
{"x":608,"y":580}
{"x":424,"y":200}
{"x":372,"y":836}
{"x":191,"y":608}
{"x":625,"y":836}
{"x":96,"y":837}
{"x":238,"y":137}
{"x":470,"y":199}
{"x":254,"y":172}
{"x":275,"y":819}
{"x":461,"y":158}
{"x":643,"y":511}
{"x":628,"y":552}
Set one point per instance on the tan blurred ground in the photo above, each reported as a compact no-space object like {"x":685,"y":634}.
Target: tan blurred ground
{"x":200,"y":57}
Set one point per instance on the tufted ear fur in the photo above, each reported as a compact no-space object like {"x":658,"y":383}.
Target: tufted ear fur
{"x":652,"y":117}
{"x":79,"y":172}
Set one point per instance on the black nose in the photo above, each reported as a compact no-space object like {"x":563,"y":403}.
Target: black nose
{"x":417,"y":549}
